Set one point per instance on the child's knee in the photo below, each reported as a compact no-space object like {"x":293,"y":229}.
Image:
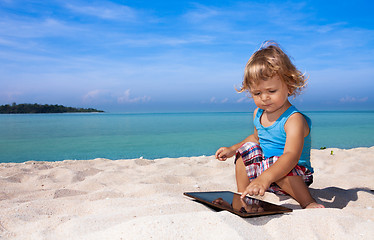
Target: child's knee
{"x":239,"y":163}
{"x":251,"y":145}
{"x":249,"y":149}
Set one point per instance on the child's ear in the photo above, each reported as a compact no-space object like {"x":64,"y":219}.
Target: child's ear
{"x":290,"y":92}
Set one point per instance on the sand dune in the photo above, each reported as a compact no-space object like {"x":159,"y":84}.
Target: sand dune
{"x":143,"y":199}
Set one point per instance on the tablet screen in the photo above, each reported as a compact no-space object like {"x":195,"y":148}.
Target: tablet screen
{"x":230,"y":201}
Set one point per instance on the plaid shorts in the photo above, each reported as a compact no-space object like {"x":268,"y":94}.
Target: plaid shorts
{"x":255,"y":164}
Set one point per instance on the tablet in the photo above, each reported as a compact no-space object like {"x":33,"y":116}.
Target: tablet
{"x":230,"y":201}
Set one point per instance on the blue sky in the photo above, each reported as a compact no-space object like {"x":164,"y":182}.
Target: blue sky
{"x":180,"y":55}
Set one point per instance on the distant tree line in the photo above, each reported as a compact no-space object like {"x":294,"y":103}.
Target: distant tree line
{"x":37,"y":108}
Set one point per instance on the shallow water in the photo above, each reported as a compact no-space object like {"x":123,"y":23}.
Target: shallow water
{"x":54,"y":137}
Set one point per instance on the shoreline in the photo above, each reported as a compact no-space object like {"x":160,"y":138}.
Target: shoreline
{"x":152,"y":159}
{"x":140,"y":198}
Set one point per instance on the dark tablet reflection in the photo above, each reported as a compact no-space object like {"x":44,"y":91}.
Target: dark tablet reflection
{"x":243,"y":205}
{"x":230,"y":201}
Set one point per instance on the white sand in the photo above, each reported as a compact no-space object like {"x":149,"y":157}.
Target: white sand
{"x":143,"y":199}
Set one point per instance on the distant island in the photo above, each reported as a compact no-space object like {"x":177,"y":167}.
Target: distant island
{"x":38,"y":108}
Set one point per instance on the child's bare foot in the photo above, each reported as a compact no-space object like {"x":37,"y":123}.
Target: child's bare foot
{"x":314,"y":205}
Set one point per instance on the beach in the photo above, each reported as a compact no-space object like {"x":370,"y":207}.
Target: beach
{"x":143,"y":199}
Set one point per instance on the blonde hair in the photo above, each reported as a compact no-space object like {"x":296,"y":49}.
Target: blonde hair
{"x":268,"y":61}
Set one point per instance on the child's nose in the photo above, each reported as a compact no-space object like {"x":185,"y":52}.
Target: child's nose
{"x":264,"y":97}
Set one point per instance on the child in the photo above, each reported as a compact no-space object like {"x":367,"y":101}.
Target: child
{"x":276,"y":157}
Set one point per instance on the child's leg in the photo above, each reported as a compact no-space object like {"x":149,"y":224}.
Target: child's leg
{"x":249,"y":154}
{"x":242,"y":180}
{"x":295,"y":186}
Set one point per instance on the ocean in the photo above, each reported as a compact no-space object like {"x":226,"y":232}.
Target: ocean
{"x":81,"y":136}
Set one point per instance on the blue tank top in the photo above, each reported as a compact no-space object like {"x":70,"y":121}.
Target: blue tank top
{"x":273,"y":138}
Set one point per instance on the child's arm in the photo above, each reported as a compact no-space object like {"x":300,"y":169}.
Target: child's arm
{"x":224,"y":153}
{"x":296,"y":129}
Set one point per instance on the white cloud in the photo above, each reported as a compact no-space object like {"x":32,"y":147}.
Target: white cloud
{"x":29,"y":28}
{"x":158,"y":40}
{"x":215,"y":100}
{"x":9,"y":96}
{"x":7,"y":43}
{"x":108,"y":11}
{"x":97,"y":95}
{"x":7,"y":1}
{"x":330,"y":27}
{"x":243,"y":99}
{"x":202,"y":13}
{"x":349,"y":99}
{"x":106,"y":96}
{"x":126,"y":98}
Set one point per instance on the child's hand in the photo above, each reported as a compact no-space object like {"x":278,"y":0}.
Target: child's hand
{"x":224,"y":153}
{"x":256,"y":187}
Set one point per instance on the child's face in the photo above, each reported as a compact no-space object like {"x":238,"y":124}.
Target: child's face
{"x":270,"y":94}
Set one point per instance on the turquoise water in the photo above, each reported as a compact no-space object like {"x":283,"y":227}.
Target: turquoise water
{"x":55,"y":137}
